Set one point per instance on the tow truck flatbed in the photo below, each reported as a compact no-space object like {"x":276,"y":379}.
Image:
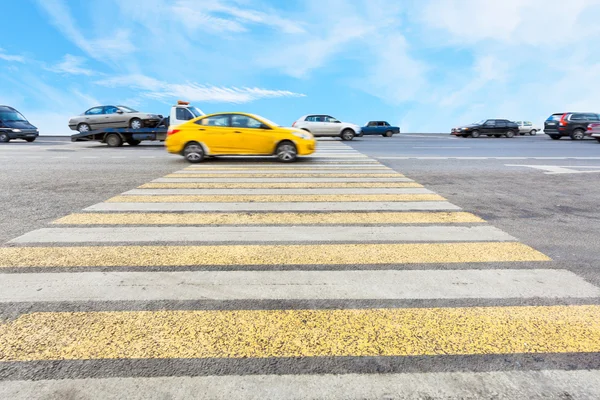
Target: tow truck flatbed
{"x":115,"y":137}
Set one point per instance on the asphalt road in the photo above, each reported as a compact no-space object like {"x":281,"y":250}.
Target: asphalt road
{"x":490,"y":291}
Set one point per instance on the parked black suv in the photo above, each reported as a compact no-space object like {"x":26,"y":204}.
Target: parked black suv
{"x":573,"y":124}
{"x":489,"y":127}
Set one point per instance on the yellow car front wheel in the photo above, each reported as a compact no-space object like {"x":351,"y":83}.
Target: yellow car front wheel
{"x":286,"y":152}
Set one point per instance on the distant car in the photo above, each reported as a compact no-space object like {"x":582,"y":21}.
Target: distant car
{"x":102,"y":117}
{"x":572,"y":124}
{"x":325,"y":125}
{"x":489,"y":127}
{"x":593,"y":130}
{"x":379,"y":128}
{"x":13,"y":125}
{"x":527,"y":128}
{"x":237,"y":134}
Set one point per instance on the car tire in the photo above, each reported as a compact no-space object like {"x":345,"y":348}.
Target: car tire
{"x":533,"y":133}
{"x":4,"y":138}
{"x":83,"y":128}
{"x":286,"y":152}
{"x":30,"y":140}
{"x":578,"y":134}
{"x":194,"y":152}
{"x":510,"y":134}
{"x":555,"y":137}
{"x":133,"y":142}
{"x":389,"y":134}
{"x":136,"y":123}
{"x":113,"y":140}
{"x":497,"y":135}
{"x":475,"y":134}
{"x":347,"y":134}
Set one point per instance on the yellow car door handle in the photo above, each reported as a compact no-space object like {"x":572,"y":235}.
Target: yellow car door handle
{"x":201,"y":129}
{"x":237,"y":131}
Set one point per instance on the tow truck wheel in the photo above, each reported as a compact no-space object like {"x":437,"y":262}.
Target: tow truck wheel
{"x":4,"y":138}
{"x":135,"y":123}
{"x":82,"y":128}
{"x":286,"y":152}
{"x":193,"y":152}
{"x":113,"y":140}
{"x":133,"y":142}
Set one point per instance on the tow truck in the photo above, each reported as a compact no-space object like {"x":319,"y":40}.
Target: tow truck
{"x":115,"y":137}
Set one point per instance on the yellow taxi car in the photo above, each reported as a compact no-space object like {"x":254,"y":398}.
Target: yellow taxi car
{"x":237,"y":134}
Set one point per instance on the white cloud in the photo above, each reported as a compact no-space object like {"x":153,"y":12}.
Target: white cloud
{"x":531,"y":22}
{"x":155,"y":89}
{"x":11,"y":57}
{"x":106,"y":47}
{"x":205,"y":15}
{"x":72,"y":65}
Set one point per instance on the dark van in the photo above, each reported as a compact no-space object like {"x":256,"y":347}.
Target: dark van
{"x":13,"y":125}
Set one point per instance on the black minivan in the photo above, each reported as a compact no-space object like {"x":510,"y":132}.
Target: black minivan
{"x":13,"y":125}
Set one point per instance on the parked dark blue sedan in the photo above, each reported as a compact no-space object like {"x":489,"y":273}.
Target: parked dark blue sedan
{"x":380,"y":128}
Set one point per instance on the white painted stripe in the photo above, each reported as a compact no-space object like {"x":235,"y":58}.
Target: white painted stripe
{"x":514,"y":385}
{"x":254,"y":234}
{"x":293,"y":285}
{"x":159,"y":192}
{"x":278,"y":180}
{"x":304,"y":206}
{"x":482,"y":158}
{"x":341,"y":170}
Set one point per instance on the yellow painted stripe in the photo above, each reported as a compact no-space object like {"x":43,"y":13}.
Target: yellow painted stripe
{"x":296,"y":168}
{"x":299,"y":175}
{"x":270,"y":218}
{"x":242,"y":255}
{"x":301,"y":333}
{"x":274,"y":198}
{"x":278,"y":185}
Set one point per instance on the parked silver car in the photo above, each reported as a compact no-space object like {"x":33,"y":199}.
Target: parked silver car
{"x":325,"y":125}
{"x":526,"y":127}
{"x":102,"y":117}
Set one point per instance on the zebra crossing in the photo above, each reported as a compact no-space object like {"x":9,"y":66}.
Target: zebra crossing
{"x":246,"y":279}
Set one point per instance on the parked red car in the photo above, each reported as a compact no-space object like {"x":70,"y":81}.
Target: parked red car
{"x":593,"y":130}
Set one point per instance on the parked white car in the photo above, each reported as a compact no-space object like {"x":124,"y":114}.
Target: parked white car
{"x":325,"y":125}
{"x":526,"y":127}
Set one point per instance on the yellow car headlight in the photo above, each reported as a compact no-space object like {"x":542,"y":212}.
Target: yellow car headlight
{"x":303,"y":135}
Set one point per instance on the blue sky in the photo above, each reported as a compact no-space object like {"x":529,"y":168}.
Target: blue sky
{"x":426,"y":65}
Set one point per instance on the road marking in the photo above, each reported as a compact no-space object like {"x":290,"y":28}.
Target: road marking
{"x":555,"y":169}
{"x":285,"y":218}
{"x":304,"y":172}
{"x":194,"y":174}
{"x":271,"y":191}
{"x":481,"y":158}
{"x":293,"y":285}
{"x":545,"y":384}
{"x":289,"y":179}
{"x":300,"y":206}
{"x":265,"y":234}
{"x":242,"y":255}
{"x":275,"y":198}
{"x":294,"y":168}
{"x":277,"y":185}
{"x":301,"y":333}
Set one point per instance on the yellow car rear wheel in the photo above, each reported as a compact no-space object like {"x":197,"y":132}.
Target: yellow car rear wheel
{"x":193,"y":152}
